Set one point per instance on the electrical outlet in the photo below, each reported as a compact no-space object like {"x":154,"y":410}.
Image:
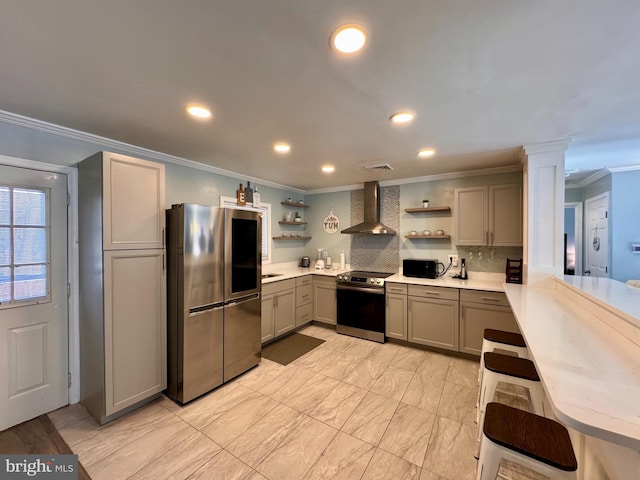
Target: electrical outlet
{"x":453,"y":260}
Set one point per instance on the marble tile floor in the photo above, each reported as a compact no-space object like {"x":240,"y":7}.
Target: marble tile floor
{"x":349,"y":409}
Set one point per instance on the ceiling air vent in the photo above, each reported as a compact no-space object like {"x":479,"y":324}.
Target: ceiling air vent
{"x":378,"y":166}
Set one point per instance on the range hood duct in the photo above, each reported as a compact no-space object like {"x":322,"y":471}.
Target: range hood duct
{"x":371,"y":224}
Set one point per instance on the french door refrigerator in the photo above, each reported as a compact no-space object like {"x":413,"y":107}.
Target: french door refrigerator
{"x":213,"y":297}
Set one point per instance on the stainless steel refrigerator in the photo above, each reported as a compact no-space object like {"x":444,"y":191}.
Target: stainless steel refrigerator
{"x":213,"y":297}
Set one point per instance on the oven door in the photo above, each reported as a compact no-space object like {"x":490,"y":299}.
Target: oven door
{"x":361,"y":312}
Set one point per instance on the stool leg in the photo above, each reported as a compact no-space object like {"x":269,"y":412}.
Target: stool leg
{"x":488,"y":388}
{"x":488,"y":461}
{"x":536,"y":396}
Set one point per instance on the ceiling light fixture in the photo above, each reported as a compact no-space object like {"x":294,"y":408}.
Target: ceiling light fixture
{"x":328,"y":168}
{"x":426,"y":152}
{"x":282,"y":147}
{"x":348,"y":38}
{"x":198,"y":111}
{"x":402,"y":117}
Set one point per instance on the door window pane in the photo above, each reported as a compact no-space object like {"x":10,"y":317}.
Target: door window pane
{"x":30,"y":282}
{"x":5,"y":206}
{"x":30,"y":245}
{"x":24,"y":245}
{"x":29,"y":207}
{"x":5,"y":246}
{"x":5,"y":284}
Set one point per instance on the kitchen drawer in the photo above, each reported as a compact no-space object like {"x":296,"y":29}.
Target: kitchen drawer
{"x":400,"y":288}
{"x":278,"y":286}
{"x":305,"y":280}
{"x":304,"y":295}
{"x":485,"y":297}
{"x":443,"y":293}
{"x":304,"y":314}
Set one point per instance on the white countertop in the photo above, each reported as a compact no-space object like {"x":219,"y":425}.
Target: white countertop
{"x":492,"y":282}
{"x":292,"y":270}
{"x":477,"y":280}
{"x":589,"y":369}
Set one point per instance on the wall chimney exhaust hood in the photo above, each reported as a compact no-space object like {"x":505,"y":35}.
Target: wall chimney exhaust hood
{"x":371,"y":224}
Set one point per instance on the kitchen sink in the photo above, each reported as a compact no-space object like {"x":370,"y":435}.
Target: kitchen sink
{"x":271,"y":275}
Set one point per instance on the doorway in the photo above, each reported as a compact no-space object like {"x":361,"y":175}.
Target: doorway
{"x":34,"y":315}
{"x":597,"y":236}
{"x":573,"y":250}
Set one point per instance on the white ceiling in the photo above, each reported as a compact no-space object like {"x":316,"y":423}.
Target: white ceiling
{"x":484,"y":78}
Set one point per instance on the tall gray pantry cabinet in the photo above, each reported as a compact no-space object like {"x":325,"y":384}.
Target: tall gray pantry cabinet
{"x":123,"y":361}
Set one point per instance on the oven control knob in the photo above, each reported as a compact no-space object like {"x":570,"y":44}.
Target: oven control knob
{"x":379,"y":282}
{"x":372,"y":280}
{"x":340,"y":277}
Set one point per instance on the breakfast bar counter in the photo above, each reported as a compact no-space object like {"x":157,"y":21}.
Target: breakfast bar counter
{"x":584,"y":338}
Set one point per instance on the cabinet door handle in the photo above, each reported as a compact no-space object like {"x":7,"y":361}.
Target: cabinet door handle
{"x":486,"y":237}
{"x":490,"y":238}
{"x":428,"y":292}
{"x":491,"y":299}
{"x":399,"y":290}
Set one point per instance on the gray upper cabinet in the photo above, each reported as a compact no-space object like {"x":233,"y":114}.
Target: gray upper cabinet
{"x":488,"y":215}
{"x":133,"y":207}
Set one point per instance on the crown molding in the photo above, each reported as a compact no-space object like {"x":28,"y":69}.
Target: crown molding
{"x":554,"y":147}
{"x":627,"y":168}
{"x":128,"y":149}
{"x":603,"y":172}
{"x":427,"y":178}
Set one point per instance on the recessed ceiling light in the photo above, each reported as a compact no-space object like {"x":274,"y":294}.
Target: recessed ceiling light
{"x":348,"y":38}
{"x":198,"y":111}
{"x":402,"y":117}
{"x":328,"y":168}
{"x":281,"y":147}
{"x":426,"y":152}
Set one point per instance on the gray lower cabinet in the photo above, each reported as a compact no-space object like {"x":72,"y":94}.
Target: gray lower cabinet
{"x":396,"y":311}
{"x":304,"y":300}
{"x":324,"y":299}
{"x":268,"y":316}
{"x":480,"y":310}
{"x":278,"y":309}
{"x":433,"y":316}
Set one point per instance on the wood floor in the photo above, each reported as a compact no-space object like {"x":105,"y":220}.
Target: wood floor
{"x":36,"y":436}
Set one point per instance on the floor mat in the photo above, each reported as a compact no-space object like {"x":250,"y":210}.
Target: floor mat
{"x":291,"y":347}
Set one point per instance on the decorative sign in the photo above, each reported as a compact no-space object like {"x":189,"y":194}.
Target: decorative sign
{"x":331,"y":223}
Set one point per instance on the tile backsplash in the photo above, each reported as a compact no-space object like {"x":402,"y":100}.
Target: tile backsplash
{"x":379,"y":253}
{"x":487,"y":259}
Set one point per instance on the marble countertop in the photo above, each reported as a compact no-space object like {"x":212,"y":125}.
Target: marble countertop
{"x":589,"y":369}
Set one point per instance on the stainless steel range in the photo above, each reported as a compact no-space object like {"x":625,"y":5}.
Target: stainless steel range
{"x":361,"y":304}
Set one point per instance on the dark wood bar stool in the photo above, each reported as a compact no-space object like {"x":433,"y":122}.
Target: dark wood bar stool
{"x":535,"y":442}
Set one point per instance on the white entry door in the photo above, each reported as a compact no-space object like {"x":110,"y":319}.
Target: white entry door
{"x":597,"y":241}
{"x":33,"y":294}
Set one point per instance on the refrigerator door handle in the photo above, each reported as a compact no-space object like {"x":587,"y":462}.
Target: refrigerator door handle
{"x":199,"y":311}
{"x":243,"y":300}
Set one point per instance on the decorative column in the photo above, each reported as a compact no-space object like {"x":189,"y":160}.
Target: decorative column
{"x":543,"y":216}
